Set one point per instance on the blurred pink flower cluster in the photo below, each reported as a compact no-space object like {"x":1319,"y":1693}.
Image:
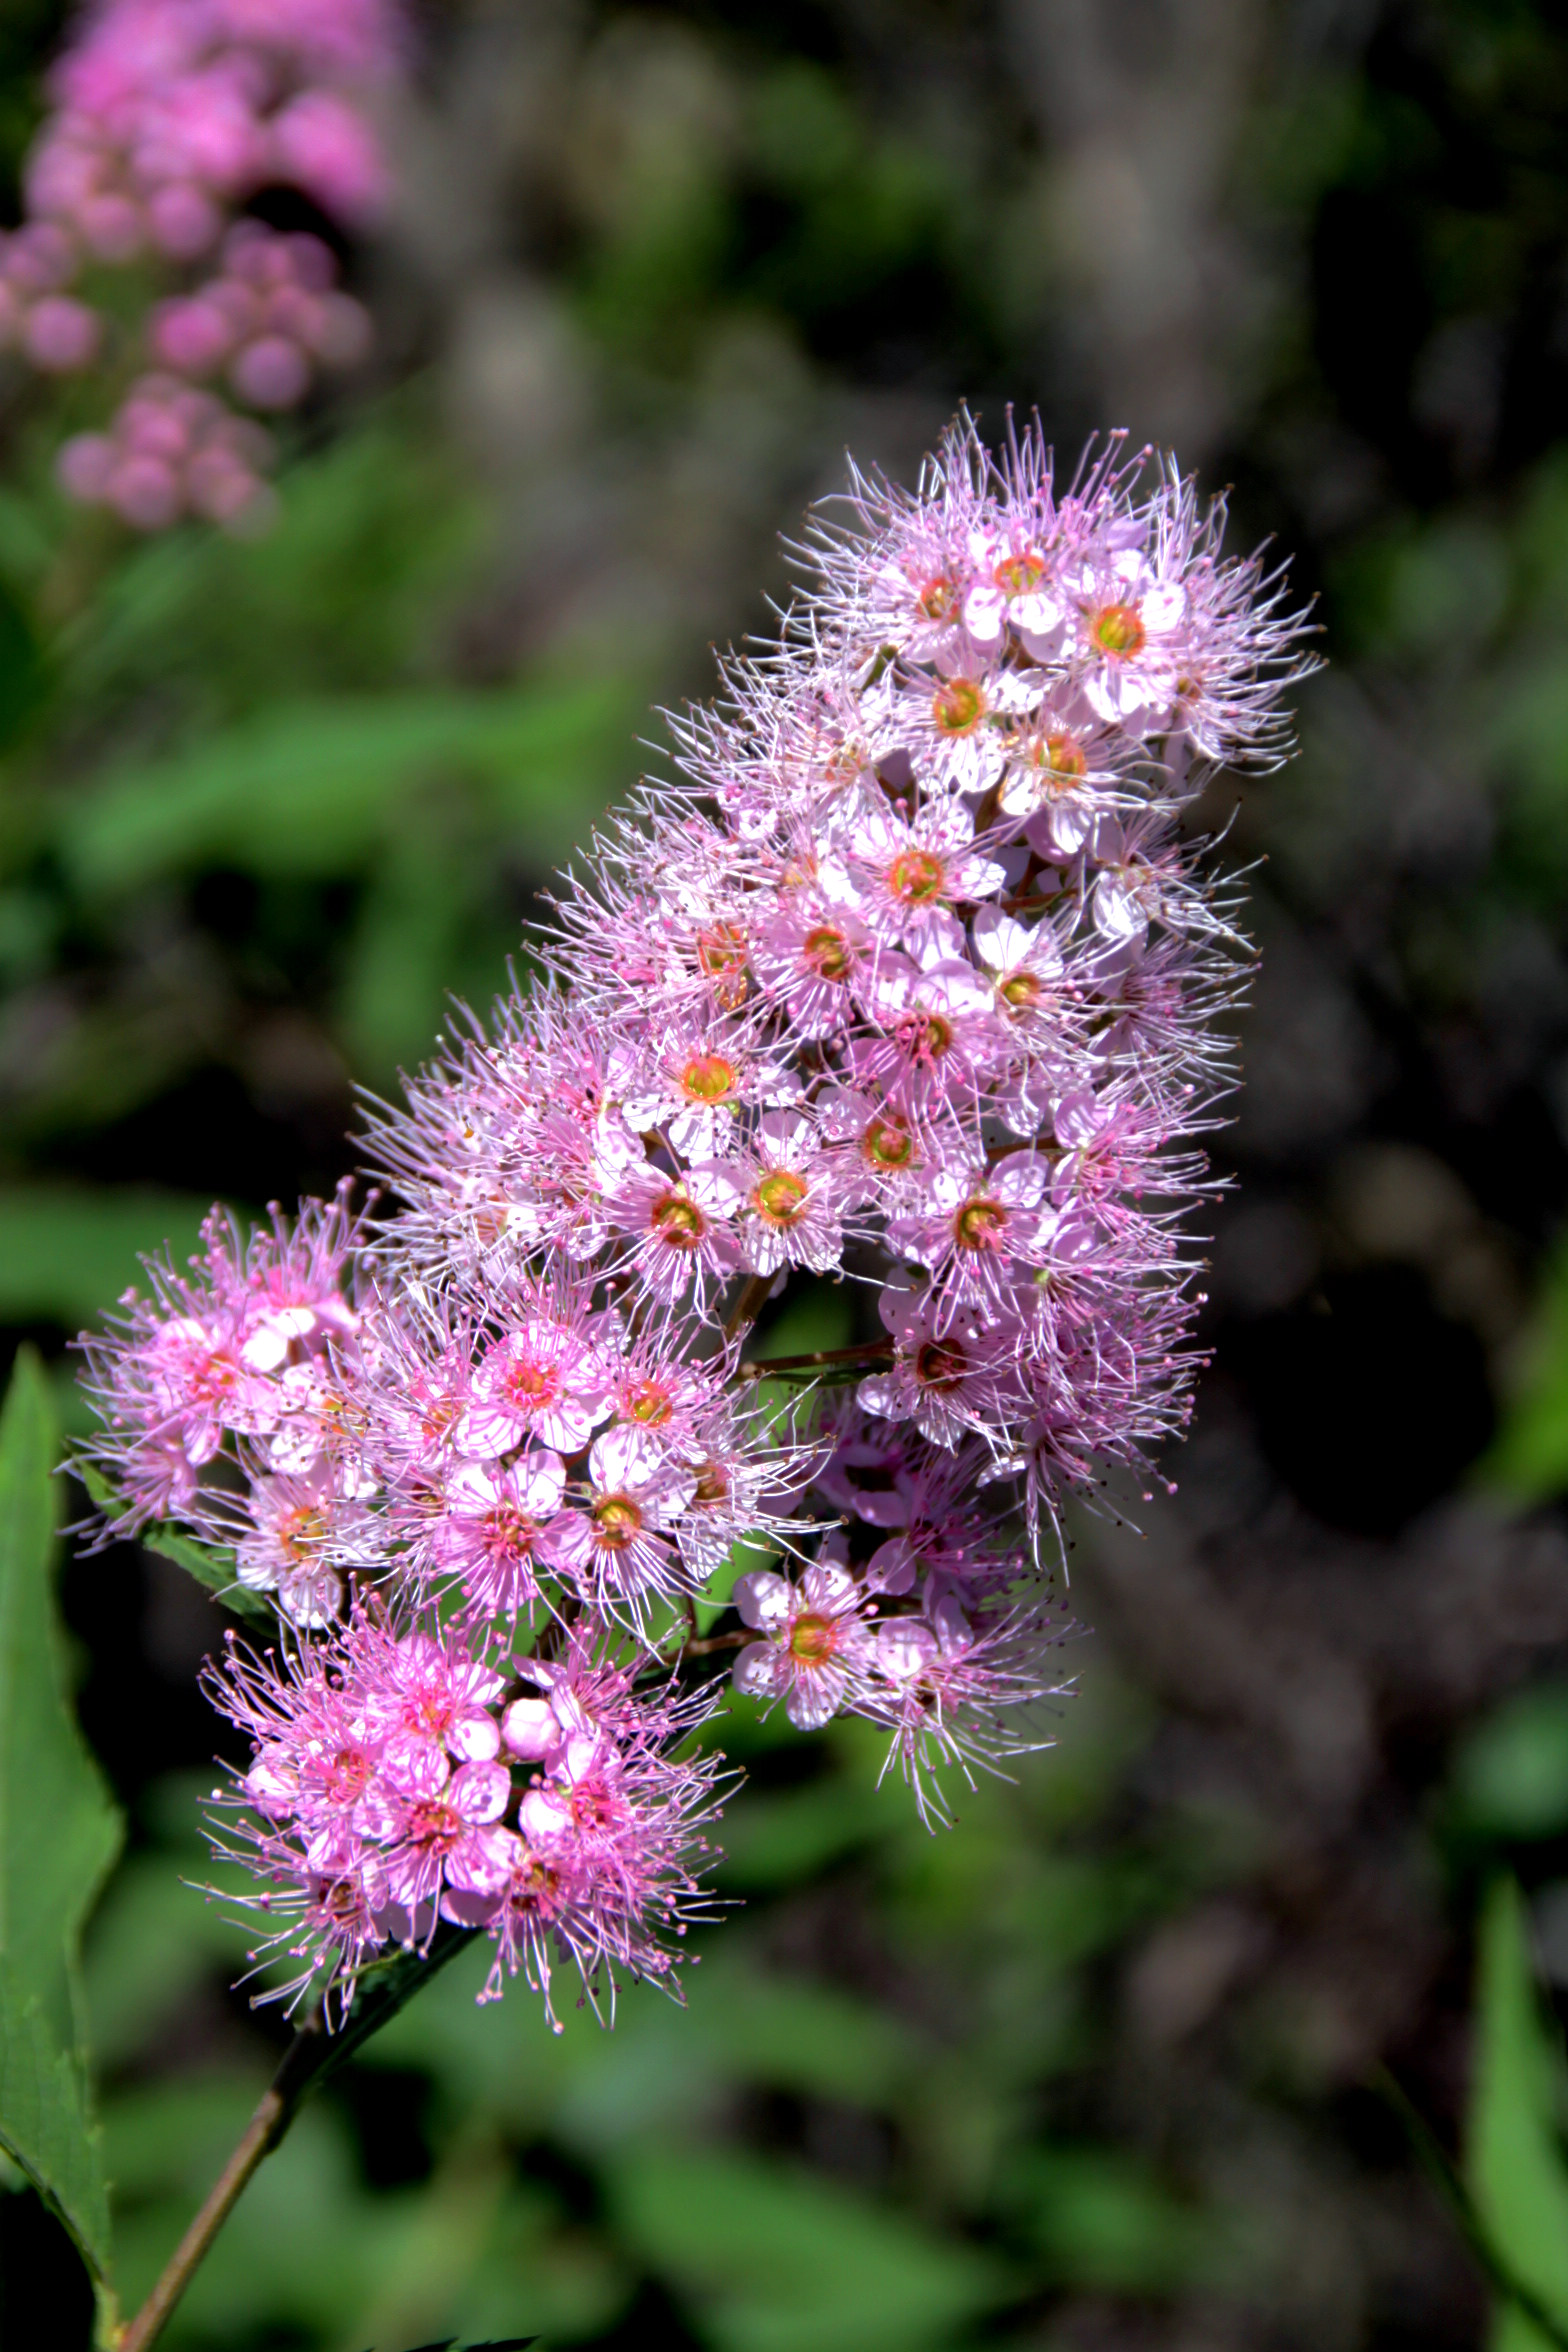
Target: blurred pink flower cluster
{"x":909,"y":982}
{"x":169,"y":117}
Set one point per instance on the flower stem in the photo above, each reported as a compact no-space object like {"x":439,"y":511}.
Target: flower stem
{"x":750,"y":1302}
{"x":315,"y":2052}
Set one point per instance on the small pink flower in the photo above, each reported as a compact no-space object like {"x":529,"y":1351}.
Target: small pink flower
{"x":791,"y":1210}
{"x":616,"y":1546}
{"x":545,"y":1383}
{"x":492,"y":1526}
{"x":912,"y":873}
{"x":676,"y":1228}
{"x":979,"y":1226}
{"x":817,"y":1647}
{"x":954,"y":1371}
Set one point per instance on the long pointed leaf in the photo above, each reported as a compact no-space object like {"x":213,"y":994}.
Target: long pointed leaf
{"x":1517,"y":2168}
{"x":59,"y":1834}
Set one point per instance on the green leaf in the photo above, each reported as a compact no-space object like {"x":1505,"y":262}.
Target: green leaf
{"x":210,"y":1564}
{"x":776,"y":2262}
{"x":68,"y":1251}
{"x":1511,"y":1775}
{"x":313,"y":787}
{"x":1103,"y":2221}
{"x":1517,"y":2169}
{"x":59,"y":1834}
{"x":1528,"y":1458}
{"x":21,"y":669}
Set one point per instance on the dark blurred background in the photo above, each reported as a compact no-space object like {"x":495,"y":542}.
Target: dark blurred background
{"x":1098,"y":2071}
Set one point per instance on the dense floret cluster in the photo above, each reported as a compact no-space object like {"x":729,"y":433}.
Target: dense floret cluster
{"x":908,"y":981}
{"x":169,"y":117}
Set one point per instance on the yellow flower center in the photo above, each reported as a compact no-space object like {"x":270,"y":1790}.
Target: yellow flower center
{"x":1117,"y":629}
{"x":1021,"y":990}
{"x":927,"y":1037}
{"x":1059,"y":757}
{"x":649,"y":1404}
{"x":722,"y":949}
{"x":1017,"y":574}
{"x":676,"y":1219}
{"x":301,"y":1531}
{"x":935,"y":600}
{"x":721,"y":953}
{"x":887,"y":1143}
{"x":827,"y":952}
{"x":708,"y":1078}
{"x":781,"y":1196}
{"x":978,"y":1223}
{"x":916,"y":877}
{"x":532,"y":1383}
{"x":958,"y":707}
{"x":813,"y":1639}
{"x":618,"y":1519}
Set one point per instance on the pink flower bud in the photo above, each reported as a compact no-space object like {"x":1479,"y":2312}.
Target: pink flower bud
{"x":149,"y":428}
{"x":83,"y":467}
{"x":313,"y":264}
{"x":40,"y":259}
{"x":192,"y":337}
{"x":61,"y":335}
{"x":185,"y":221}
{"x":113,"y":227}
{"x":530,"y":1729}
{"x":272,"y":372}
{"x":145,"y":493}
{"x":322,"y":144}
{"x":219,"y":486}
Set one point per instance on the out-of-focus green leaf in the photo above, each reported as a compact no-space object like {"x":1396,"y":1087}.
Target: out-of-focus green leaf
{"x":68,"y":1251}
{"x":1511,"y":1775}
{"x":153,"y":1940}
{"x":1103,"y":2221}
{"x":376,"y":532}
{"x":773,"y":1840}
{"x":21,"y":669}
{"x":775,"y":2262}
{"x":312,"y":787}
{"x":1518,"y":2173}
{"x":1528,"y":1458}
{"x":59,"y":1834}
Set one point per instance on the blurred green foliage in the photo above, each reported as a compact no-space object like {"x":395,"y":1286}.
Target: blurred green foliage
{"x":1518,"y":2113}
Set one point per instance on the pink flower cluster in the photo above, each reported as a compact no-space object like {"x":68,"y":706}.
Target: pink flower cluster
{"x":170,"y":116}
{"x":397,"y":1781}
{"x":909,"y":982}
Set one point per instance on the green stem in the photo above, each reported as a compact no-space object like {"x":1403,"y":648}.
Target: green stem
{"x":313,"y":2055}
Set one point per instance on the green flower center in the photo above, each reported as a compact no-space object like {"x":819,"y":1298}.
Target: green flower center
{"x":916,"y":877}
{"x":978,"y":1223}
{"x":958,"y":707}
{"x":780,"y":1197}
{"x":1117,"y":629}
{"x":812,"y":1639}
{"x":618,"y":1519}
{"x":708,"y":1078}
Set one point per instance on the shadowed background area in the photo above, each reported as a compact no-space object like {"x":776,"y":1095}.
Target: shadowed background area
{"x":1098,"y":2070}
